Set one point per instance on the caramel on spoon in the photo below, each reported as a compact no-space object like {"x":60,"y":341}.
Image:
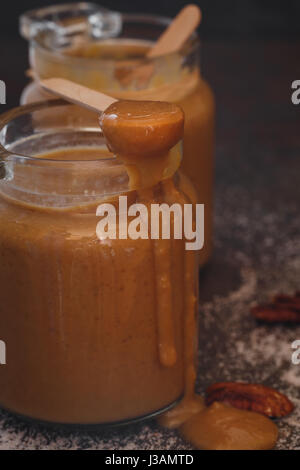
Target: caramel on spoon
{"x":142,"y":128}
{"x":133,"y":130}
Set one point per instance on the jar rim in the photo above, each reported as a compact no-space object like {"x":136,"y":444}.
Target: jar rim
{"x":79,"y":179}
{"x":156,"y":20}
{"x":14,"y":113}
{"x":104,"y":176}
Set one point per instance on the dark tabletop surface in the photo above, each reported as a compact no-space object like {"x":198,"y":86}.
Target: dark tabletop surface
{"x":257,"y":242}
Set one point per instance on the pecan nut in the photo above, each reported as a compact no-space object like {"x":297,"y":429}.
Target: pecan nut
{"x":283,"y":308}
{"x":253,"y":397}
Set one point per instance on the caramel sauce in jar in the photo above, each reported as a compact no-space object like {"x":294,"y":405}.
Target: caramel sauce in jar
{"x":104,"y":66}
{"x":97,"y":331}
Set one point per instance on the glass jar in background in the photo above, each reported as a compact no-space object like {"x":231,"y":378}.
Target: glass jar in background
{"x":84,"y":319}
{"x":98,"y":48}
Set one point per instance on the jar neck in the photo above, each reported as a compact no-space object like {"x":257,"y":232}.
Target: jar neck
{"x":52,"y":155}
{"x":64,"y":45}
{"x":170,"y":81}
{"x":33,"y":171}
{"x":62,"y":184}
{"x":42,"y":182}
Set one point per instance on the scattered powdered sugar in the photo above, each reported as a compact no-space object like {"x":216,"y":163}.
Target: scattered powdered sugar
{"x":264,"y":253}
{"x":292,"y":376}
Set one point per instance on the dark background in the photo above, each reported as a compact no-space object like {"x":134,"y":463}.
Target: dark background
{"x":221,"y":18}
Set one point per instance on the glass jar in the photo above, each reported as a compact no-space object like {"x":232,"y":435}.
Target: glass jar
{"x":87,"y":322}
{"x":96,"y":48}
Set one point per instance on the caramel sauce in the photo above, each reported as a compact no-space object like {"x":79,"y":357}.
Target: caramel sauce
{"x":136,"y":131}
{"x":92,"y":323}
{"x":142,"y":134}
{"x":109,"y":49}
{"x":221,"y":427}
{"x":170,"y":82}
{"x":105,"y":319}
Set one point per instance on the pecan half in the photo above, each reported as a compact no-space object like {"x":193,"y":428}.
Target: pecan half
{"x":283,"y":308}
{"x":253,"y":397}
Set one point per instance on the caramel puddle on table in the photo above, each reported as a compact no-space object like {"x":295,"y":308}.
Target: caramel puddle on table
{"x":218,"y":427}
{"x":221,"y":427}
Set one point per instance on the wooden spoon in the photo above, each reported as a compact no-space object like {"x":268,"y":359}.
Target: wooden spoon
{"x":137,"y":128}
{"x":173,"y":38}
{"x":78,"y":94}
{"x":177,"y":33}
